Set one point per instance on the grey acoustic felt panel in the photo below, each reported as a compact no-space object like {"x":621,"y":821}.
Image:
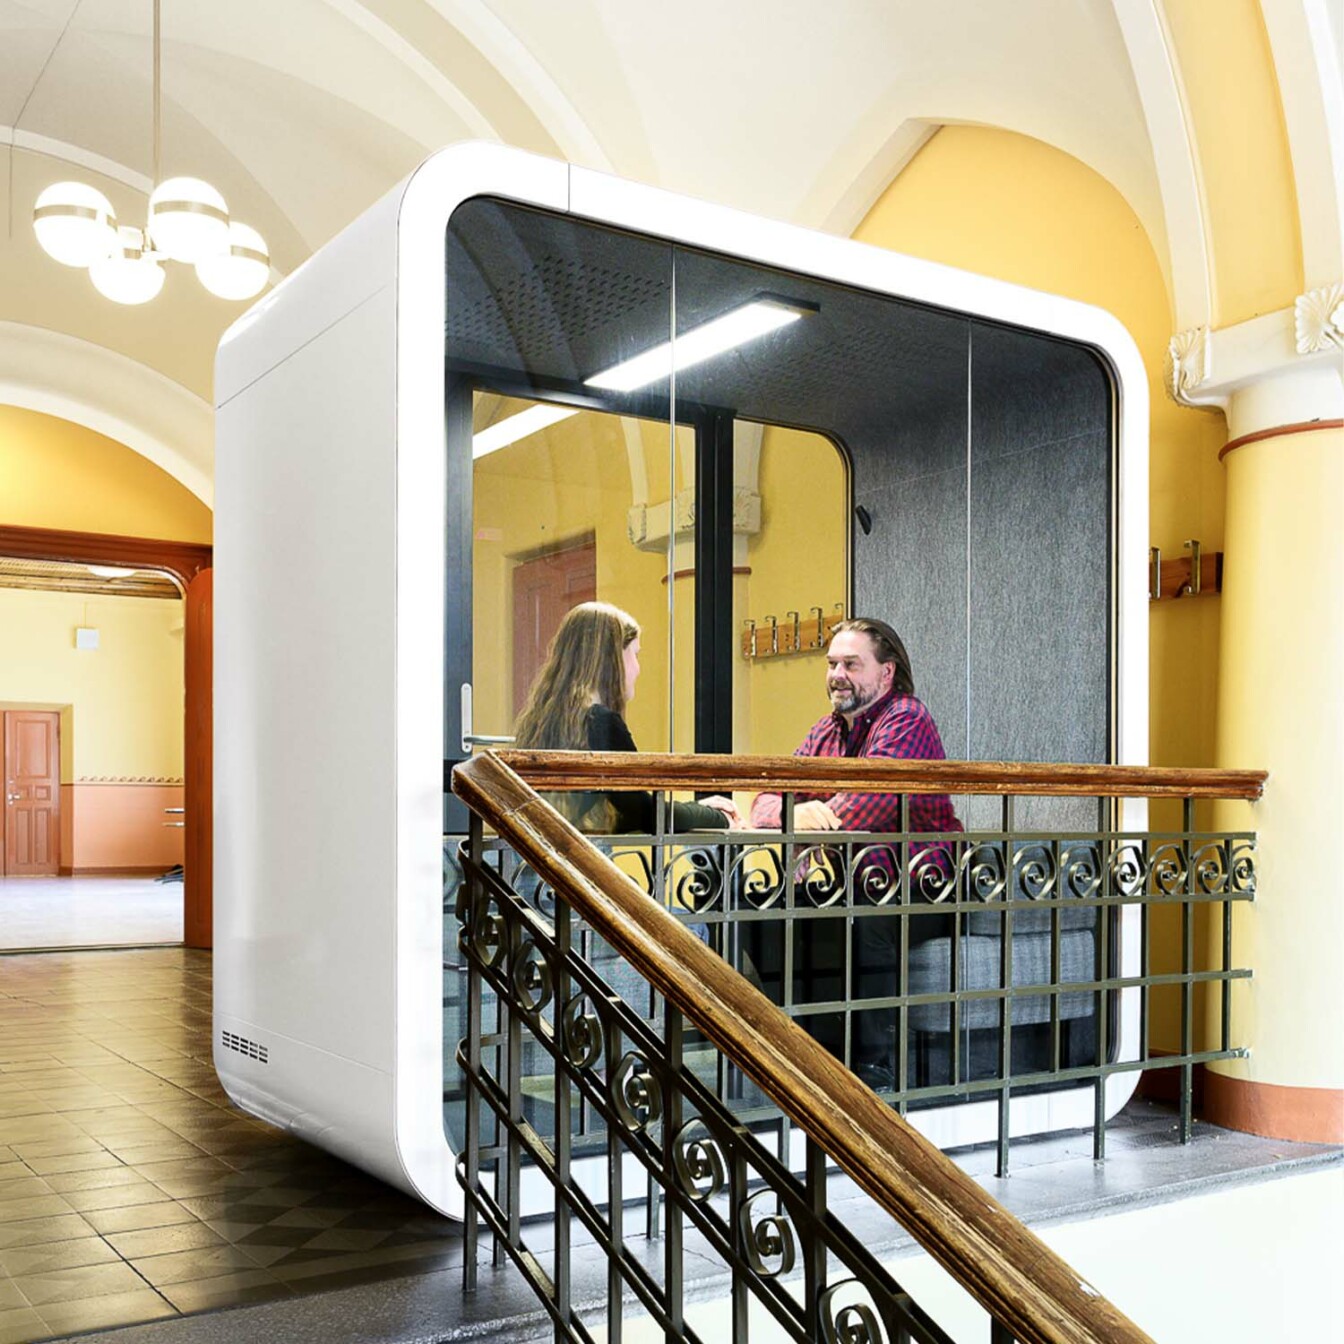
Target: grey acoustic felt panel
{"x":998,"y":503}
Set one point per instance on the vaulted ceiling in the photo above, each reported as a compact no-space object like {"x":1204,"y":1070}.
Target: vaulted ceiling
{"x":303,"y":112}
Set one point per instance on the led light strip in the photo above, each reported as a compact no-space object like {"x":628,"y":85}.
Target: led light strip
{"x":734,"y":328}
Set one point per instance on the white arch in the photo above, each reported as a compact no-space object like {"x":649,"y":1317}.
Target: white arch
{"x":855,"y":178}
{"x":1162,"y":97}
{"x":1311,"y":87}
{"x":61,"y":375}
{"x":529,"y":79}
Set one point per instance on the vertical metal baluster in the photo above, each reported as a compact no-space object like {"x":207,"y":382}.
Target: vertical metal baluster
{"x":471,"y":1220}
{"x":673,"y":1266}
{"x":1101,"y":970}
{"x":663,"y":827}
{"x":851,"y":931}
{"x":903,"y":914}
{"x":737,"y":1197}
{"x":563,"y":1179}
{"x":1145,"y":970}
{"x":1006,"y":980}
{"x":954,"y":968}
{"x":611,"y":1036}
{"x":513,"y":1173}
{"x":813,"y":1240}
{"x":790,"y":898}
{"x":1057,"y":961}
{"x":1187,"y":970}
{"x":1227,"y":953}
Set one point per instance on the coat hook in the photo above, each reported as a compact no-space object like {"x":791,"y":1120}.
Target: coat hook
{"x":797,"y":631}
{"x":751,"y":631}
{"x":774,"y":634}
{"x":1155,"y":558}
{"x":821,"y":626}
{"x":1193,"y":586}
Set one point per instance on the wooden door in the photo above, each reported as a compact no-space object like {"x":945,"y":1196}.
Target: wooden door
{"x":198,"y":765}
{"x":32,"y":793}
{"x":544,"y":589}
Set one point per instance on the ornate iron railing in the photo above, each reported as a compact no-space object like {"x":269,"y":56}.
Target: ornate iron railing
{"x":577,"y":1100}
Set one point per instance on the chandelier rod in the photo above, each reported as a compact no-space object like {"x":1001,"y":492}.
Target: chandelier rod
{"x":158,"y":134}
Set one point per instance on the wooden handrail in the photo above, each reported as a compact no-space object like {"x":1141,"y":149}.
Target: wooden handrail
{"x":828,"y":774}
{"x":1014,"y":1275}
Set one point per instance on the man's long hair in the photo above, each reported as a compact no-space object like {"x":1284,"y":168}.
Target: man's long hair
{"x":887,"y":648}
{"x":585,"y":663}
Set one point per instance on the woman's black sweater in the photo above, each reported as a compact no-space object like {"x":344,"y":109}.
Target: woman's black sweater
{"x":636,"y":811}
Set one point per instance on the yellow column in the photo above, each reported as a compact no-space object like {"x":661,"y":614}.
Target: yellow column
{"x":1281,"y":708}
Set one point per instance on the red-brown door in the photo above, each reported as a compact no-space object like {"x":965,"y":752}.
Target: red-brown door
{"x":544,"y":589}
{"x":32,"y":793}
{"x":198,"y":765}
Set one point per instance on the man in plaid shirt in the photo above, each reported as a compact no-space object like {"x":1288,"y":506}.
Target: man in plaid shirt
{"x":874,"y":712}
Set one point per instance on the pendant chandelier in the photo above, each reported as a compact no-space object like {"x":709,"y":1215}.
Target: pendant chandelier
{"x":188,"y":222}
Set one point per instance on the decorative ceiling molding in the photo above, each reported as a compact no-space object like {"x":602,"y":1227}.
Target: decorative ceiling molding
{"x":1311,"y":90}
{"x":75,"y":380}
{"x":1162,"y":96}
{"x":1258,"y":373}
{"x":1318,"y":319}
{"x":1187,"y":364}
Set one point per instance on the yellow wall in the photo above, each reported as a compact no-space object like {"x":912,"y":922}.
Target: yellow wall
{"x":1245,"y":164}
{"x":61,"y":475}
{"x":799,"y":560}
{"x":1005,"y":205}
{"x":122,"y":702}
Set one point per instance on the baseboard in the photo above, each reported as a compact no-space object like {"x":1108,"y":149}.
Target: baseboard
{"x":1299,"y":1114}
{"x":141,"y":870}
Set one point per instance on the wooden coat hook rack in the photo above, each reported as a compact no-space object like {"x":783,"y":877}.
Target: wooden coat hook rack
{"x":772,"y":638}
{"x":1198,"y":574}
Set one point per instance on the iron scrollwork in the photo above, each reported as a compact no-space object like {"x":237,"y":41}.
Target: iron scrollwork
{"x":758,"y":871}
{"x":767,"y":1237}
{"x":532,"y":981}
{"x":848,"y":1322}
{"x":634,"y":1093}
{"x":580,"y":1035}
{"x":984,"y":872}
{"x":698,"y":1162}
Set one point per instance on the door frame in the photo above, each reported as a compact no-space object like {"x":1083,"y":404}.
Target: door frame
{"x":181,"y":561}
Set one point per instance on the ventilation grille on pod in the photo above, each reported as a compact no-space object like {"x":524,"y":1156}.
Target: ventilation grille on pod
{"x":244,"y":1047}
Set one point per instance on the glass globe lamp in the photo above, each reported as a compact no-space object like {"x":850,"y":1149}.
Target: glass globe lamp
{"x":75,"y":223}
{"x":132,"y":273}
{"x":241,"y":271}
{"x":188,"y":220}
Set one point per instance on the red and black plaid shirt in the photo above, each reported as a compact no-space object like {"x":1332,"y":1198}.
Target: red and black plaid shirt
{"x":896,"y":726}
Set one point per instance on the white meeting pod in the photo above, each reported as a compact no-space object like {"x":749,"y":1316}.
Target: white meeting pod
{"x":513,"y":384}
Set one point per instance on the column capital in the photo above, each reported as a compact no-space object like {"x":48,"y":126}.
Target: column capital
{"x":1280,"y":368}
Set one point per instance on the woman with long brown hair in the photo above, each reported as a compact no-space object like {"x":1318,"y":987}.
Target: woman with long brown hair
{"x":577,"y":703}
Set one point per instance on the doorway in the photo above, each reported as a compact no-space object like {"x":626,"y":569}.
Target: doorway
{"x":32,"y":812}
{"x":545,"y":587}
{"x":121,"y":807}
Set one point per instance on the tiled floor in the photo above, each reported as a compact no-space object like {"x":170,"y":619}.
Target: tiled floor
{"x":88,"y":911}
{"x":131,"y":1190}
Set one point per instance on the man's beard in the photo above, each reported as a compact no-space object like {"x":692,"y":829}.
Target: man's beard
{"x":850,"y":701}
